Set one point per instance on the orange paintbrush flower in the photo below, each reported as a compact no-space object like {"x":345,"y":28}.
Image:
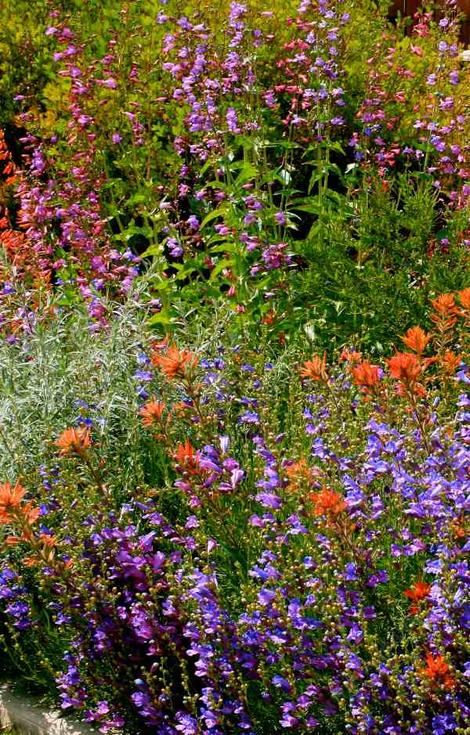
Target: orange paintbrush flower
{"x":416,"y":593}
{"x":12,"y":508}
{"x":464,"y":298}
{"x":445,"y":311}
{"x":416,"y":339}
{"x":152,"y":412}
{"x":315,"y":369}
{"x":437,"y":670}
{"x":404,"y":366}
{"x":327,"y":502}
{"x":31,"y":513}
{"x":299,"y":473}
{"x":366,"y":375}
{"x":73,"y":440}
{"x":175,"y":362}
{"x":186,"y":457}
{"x":10,"y":496}
{"x":350,"y":356}
{"x":444,"y":304}
{"x":49,"y":541}
{"x":298,"y":470}
{"x":450,"y":362}
{"x":13,"y":540}
{"x":180,"y":408}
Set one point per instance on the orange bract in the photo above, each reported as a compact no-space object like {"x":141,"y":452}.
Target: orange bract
{"x":269,"y":318}
{"x":350,"y":356}
{"x":445,"y":311}
{"x":49,"y":541}
{"x":10,"y":496}
{"x":366,"y":375}
{"x":152,"y":412}
{"x":13,"y":540}
{"x":464,"y":298}
{"x":404,"y":366}
{"x":175,"y":362}
{"x":186,"y":457}
{"x":416,"y":593}
{"x":328,"y":502}
{"x":74,"y":440}
{"x":437,"y":670}
{"x":450,"y":361}
{"x":11,"y":507}
{"x":18,"y":251}
{"x":315,"y":369}
{"x":31,"y":513}
{"x":416,"y":339}
{"x":180,"y":408}
{"x":444,"y":304}
{"x":299,"y":473}
{"x":298,"y":470}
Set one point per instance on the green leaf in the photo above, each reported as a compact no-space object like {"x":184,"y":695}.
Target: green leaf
{"x":225,"y":263}
{"x":220,"y":212}
{"x":155,"y":249}
{"x":160,"y":318}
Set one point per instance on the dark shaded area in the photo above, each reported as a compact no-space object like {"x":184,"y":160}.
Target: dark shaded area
{"x":408,"y":8}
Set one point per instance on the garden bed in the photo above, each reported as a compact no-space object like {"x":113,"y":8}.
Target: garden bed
{"x":234,"y":329}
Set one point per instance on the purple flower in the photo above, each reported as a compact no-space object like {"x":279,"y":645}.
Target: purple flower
{"x":249,"y":417}
{"x":186,"y":724}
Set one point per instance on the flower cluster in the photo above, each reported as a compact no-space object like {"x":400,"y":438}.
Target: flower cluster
{"x":307,"y":575}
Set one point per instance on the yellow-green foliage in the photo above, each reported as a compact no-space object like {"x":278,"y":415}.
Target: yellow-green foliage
{"x":24,"y":62}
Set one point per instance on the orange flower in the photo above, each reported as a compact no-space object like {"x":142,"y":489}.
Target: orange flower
{"x":366,"y":375}
{"x":49,"y":541}
{"x":315,"y":369}
{"x":416,"y":593}
{"x":444,"y":304}
{"x":186,"y":457}
{"x":30,"y":561}
{"x":445,"y":311}
{"x":11,"y":507}
{"x":450,"y":362}
{"x":13,"y":540}
{"x":458,"y":528}
{"x":31,"y":513}
{"x":328,"y":502}
{"x":269,"y":317}
{"x":404,"y":366}
{"x":74,"y":440}
{"x":416,"y":339}
{"x":299,"y":473}
{"x":464,"y":298}
{"x":180,"y":408}
{"x":10,"y":497}
{"x":437,"y":670}
{"x":350,"y":356}
{"x":175,"y":362}
{"x":298,"y":470}
{"x":152,"y":412}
